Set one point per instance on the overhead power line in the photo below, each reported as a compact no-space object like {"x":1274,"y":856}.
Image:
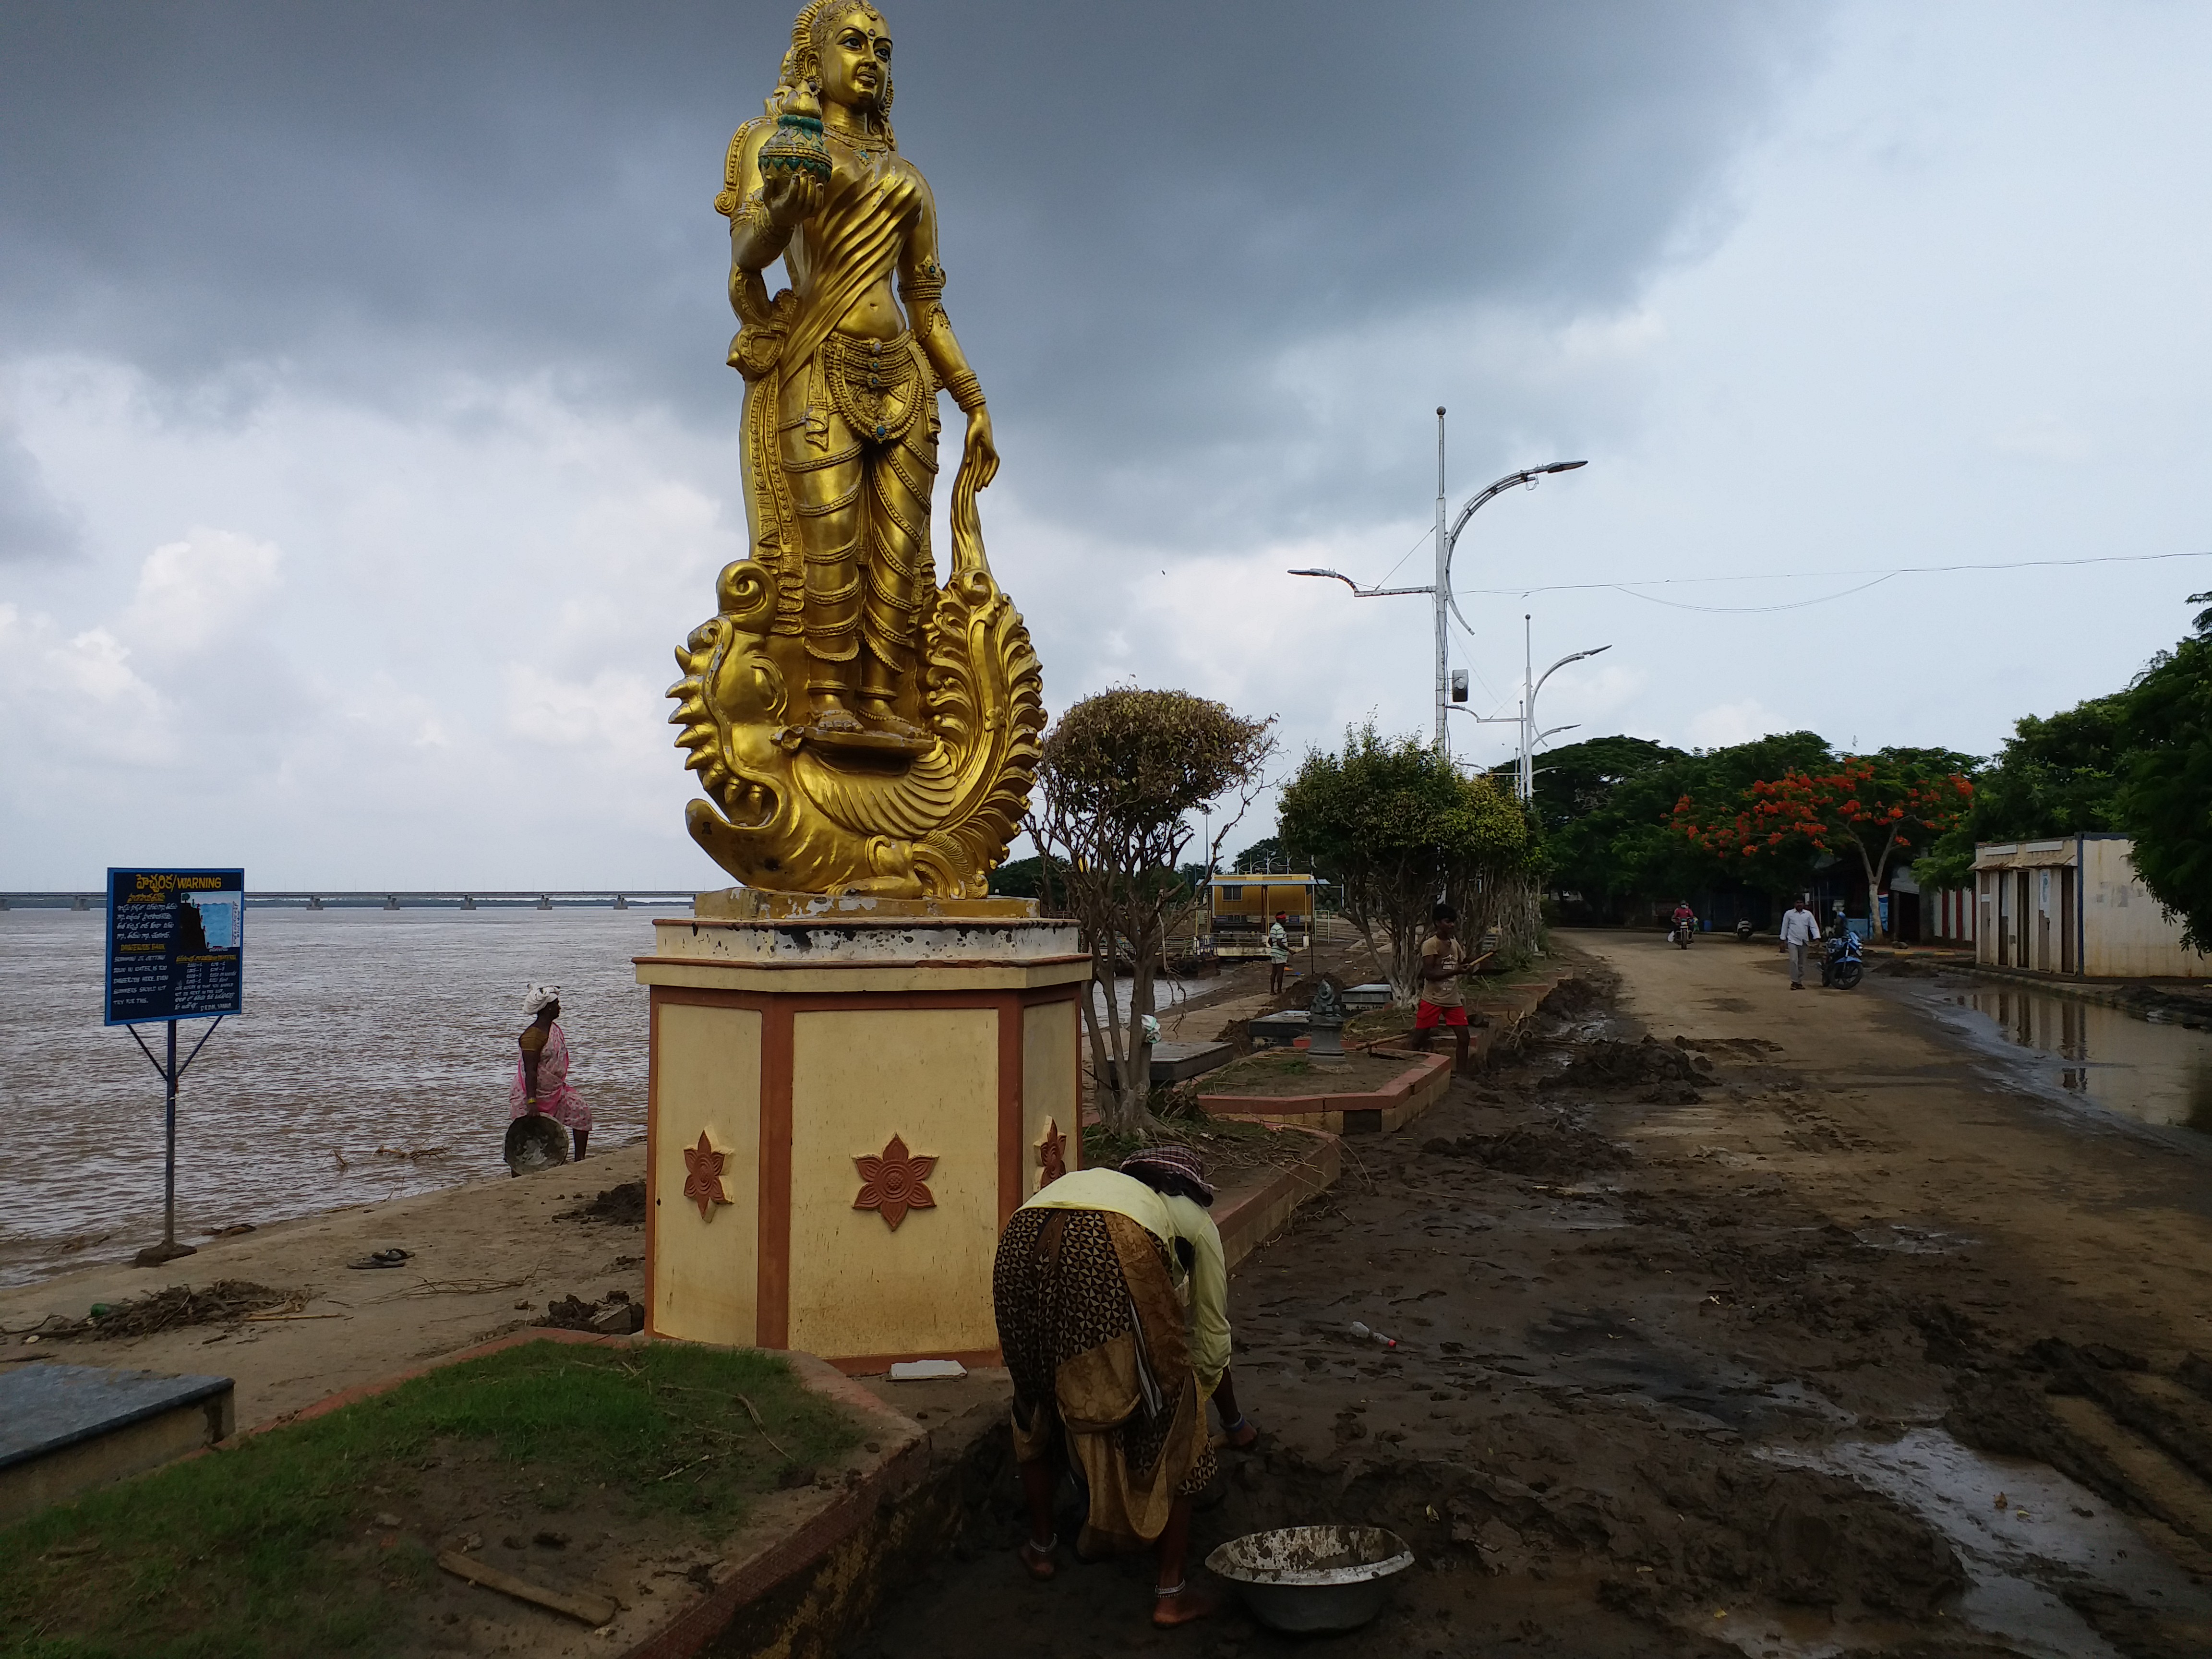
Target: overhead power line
{"x":1878,"y":575}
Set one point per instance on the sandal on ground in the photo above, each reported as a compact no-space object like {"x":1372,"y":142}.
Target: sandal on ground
{"x":1037,"y":1558}
{"x":391,"y":1258}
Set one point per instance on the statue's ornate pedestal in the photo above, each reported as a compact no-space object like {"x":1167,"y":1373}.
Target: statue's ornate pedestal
{"x":848,"y":1097}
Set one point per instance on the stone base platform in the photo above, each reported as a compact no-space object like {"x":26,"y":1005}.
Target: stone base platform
{"x":847,"y":1098}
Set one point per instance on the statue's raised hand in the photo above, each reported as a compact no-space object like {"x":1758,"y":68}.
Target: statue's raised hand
{"x":790,"y":198}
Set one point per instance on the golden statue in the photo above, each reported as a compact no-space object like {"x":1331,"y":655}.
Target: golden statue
{"x":860,"y":728}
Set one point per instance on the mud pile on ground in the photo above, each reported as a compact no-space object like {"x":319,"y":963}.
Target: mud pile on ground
{"x":225,"y":1302}
{"x":1558,"y":1151}
{"x":613,"y":1315}
{"x":622,"y":1205}
{"x":1605,"y":1066}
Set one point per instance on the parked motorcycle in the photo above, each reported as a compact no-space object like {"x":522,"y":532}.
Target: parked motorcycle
{"x":1840,"y":966}
{"x":1744,"y":932}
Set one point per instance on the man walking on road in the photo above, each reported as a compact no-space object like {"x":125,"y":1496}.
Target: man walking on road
{"x":1279,"y":952}
{"x":1799,"y":929}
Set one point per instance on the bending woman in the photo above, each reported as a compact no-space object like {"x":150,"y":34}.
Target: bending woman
{"x":1106,"y":1370}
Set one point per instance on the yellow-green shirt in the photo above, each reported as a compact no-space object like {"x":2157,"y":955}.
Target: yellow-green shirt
{"x":1167,"y":1217}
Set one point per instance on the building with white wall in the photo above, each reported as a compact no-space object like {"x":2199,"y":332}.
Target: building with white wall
{"x":2074,"y":905}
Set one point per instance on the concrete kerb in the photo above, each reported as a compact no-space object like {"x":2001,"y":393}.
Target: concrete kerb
{"x":1252,"y":1215}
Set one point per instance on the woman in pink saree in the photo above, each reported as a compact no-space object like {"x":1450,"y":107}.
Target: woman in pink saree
{"x":541,"y":1075}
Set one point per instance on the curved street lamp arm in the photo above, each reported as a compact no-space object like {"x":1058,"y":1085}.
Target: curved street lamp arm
{"x":1339,"y":575}
{"x":1527,"y":475}
{"x":1359,"y":593}
{"x":1562,"y":663}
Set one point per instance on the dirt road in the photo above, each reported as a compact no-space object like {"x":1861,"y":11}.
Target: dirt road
{"x":1810,"y":1335}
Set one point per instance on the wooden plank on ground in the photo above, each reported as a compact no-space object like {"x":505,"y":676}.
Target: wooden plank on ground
{"x":593,"y":1610}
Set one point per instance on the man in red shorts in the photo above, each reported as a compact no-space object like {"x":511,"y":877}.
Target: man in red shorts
{"x":1443,"y":1002}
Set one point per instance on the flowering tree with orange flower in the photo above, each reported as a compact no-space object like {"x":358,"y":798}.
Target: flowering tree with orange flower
{"x":1875,"y":805}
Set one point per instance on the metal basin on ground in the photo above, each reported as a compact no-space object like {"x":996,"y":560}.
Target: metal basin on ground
{"x":535,"y":1142}
{"x":1313,"y":1578}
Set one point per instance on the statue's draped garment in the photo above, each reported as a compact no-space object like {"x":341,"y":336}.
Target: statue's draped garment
{"x":840,"y":431}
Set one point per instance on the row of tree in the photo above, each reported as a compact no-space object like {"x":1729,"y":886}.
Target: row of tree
{"x":1627,"y":820}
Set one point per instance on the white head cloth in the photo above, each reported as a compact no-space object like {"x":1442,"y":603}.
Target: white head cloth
{"x":537,"y":996}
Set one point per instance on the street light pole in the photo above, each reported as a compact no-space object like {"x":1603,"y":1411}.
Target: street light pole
{"x":1439,"y":589}
{"x":1441,"y":595}
{"x":1525,"y":773}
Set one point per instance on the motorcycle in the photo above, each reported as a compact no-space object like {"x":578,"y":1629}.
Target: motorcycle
{"x":1744,"y":932}
{"x":1840,"y":966}
{"x":1680,"y":935}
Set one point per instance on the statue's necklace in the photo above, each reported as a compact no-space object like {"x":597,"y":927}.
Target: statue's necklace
{"x":869,"y":145}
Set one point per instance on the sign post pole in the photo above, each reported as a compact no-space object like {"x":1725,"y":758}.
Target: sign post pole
{"x":169,"y":1175}
{"x":176,"y":951}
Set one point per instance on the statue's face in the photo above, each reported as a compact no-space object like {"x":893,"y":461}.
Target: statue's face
{"x":855,"y":62}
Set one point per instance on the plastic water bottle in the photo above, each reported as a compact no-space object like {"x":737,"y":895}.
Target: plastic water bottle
{"x":1367,"y":1335}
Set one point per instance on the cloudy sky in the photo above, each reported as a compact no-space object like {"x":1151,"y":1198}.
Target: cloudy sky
{"x":366,"y":442}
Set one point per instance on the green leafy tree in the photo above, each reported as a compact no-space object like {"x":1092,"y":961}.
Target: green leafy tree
{"x":1395,"y":827}
{"x":1034,"y":877}
{"x":2057,"y":775}
{"x":1120,"y":775}
{"x":2164,"y":796}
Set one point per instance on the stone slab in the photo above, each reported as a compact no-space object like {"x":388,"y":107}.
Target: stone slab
{"x":45,"y":1407}
{"x":1178,"y":1062}
{"x":66,"y":1429}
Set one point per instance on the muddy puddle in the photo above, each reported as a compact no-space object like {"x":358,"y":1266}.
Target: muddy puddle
{"x":2156,"y":1074}
{"x":2032,"y":1543}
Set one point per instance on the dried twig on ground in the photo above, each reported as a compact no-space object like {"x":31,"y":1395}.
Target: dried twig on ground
{"x":753,"y":1411}
{"x":226,"y":1301}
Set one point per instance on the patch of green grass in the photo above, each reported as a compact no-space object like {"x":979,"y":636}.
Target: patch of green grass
{"x":268,"y":1550}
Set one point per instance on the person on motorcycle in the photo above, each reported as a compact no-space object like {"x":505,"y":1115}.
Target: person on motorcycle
{"x":1685,"y":919}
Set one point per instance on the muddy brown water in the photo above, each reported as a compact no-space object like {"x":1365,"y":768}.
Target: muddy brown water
{"x":373,"y":1061}
{"x":2155,"y":1074}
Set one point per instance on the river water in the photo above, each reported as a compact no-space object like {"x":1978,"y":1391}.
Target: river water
{"x":373,"y":1060}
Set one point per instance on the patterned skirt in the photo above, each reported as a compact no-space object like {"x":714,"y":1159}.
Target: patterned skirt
{"x":1090,"y":1328}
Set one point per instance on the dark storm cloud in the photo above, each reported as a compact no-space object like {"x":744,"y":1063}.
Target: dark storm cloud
{"x":1144,"y":205}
